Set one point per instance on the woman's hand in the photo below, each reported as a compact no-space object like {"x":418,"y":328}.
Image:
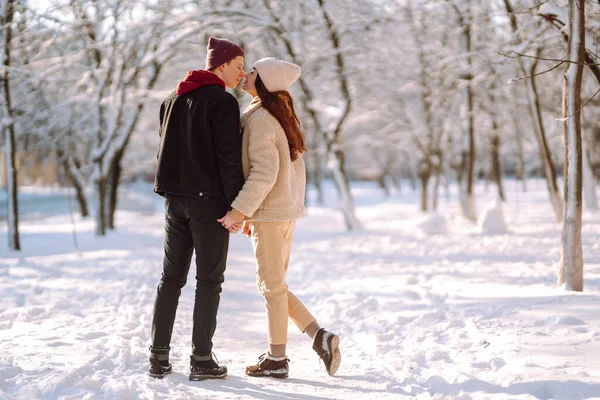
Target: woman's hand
{"x":232,"y":221}
{"x":246,"y":230}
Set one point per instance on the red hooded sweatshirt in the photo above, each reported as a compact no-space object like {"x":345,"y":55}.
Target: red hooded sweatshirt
{"x":196,"y":79}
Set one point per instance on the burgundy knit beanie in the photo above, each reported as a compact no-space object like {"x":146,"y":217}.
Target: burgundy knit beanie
{"x":220,"y":51}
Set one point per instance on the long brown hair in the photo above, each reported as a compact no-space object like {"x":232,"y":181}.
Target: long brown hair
{"x":281,"y":106}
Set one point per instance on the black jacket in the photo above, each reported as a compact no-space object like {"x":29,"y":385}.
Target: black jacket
{"x":200,"y":145}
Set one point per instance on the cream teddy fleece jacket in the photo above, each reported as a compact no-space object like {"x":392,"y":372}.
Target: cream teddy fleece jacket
{"x":275,"y":186}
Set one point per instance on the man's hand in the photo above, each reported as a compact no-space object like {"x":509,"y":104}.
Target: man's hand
{"x":235,"y":228}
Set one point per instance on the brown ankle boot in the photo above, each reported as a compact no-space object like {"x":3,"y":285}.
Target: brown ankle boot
{"x":270,"y":367}
{"x":326,"y":344}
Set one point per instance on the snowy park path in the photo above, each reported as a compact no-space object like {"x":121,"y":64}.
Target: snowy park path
{"x":456,"y":315}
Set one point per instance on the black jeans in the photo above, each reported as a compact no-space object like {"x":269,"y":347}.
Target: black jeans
{"x":191,"y":224}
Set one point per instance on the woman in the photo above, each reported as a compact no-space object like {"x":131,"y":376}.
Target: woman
{"x":270,"y":201}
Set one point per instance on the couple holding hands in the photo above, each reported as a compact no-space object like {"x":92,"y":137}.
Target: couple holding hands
{"x":220,"y":173}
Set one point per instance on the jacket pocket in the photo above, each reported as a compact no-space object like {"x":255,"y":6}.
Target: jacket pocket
{"x":286,"y":228}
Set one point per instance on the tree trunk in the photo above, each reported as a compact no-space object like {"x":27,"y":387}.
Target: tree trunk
{"x":7,"y":123}
{"x":436,"y":191}
{"x":460,"y":168}
{"x":395,"y":176}
{"x":496,"y":166}
{"x":81,"y":201}
{"x":79,"y":189}
{"x":469,"y":205}
{"x":438,"y":157}
{"x":495,"y":173}
{"x":99,"y":199}
{"x":424,"y":182}
{"x":113,"y":181}
{"x":381,"y":181}
{"x":341,"y":180}
{"x":545,"y":155}
{"x":470,"y":211}
{"x":571,"y":262}
{"x":385,"y":159}
{"x":520,"y":168}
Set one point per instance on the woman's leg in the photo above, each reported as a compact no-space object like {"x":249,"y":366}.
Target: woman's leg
{"x":271,"y":253}
{"x":325,"y":343}
{"x":312,"y":329}
{"x":300,"y":315}
{"x":277,"y":350}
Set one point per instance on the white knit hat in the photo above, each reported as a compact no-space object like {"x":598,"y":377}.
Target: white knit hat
{"x":277,"y":74}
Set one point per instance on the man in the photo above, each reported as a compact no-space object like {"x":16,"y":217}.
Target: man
{"x":199,"y":173}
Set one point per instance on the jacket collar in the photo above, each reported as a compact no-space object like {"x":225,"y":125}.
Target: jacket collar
{"x":196,"y":79}
{"x":254,"y":105}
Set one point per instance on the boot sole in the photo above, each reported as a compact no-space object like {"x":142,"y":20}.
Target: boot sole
{"x":276,"y":376}
{"x":159,"y":376}
{"x":205,"y":377}
{"x":336,"y":356}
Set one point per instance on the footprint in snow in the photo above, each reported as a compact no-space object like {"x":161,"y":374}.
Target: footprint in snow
{"x":93,"y":335}
{"x":494,"y":364}
{"x":437,"y":355}
{"x":455,"y":323}
{"x":566,"y":320}
{"x":412,"y":295}
{"x":9,"y":372}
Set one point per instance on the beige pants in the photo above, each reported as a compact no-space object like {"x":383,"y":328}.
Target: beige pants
{"x":272,"y":243}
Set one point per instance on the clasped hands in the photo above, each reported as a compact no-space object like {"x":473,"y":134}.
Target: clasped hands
{"x":233,"y":225}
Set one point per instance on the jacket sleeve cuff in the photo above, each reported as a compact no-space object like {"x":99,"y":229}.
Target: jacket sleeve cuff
{"x":237,"y":216}
{"x":242,"y":208}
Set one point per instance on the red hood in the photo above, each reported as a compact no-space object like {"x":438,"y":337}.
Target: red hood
{"x":198,"y":78}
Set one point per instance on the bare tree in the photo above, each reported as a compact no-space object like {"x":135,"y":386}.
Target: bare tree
{"x":495,"y":168}
{"x":535,"y":112}
{"x":329,"y":133}
{"x":544,"y":149}
{"x":124,"y":59}
{"x":465,"y":19}
{"x":335,"y":153}
{"x":7,"y":10}
{"x":558,"y":18}
{"x":428,"y":144}
{"x":571,"y":262}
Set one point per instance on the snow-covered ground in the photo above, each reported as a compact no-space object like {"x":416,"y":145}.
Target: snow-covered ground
{"x":427,"y":306}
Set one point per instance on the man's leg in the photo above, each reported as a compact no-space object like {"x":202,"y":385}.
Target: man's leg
{"x":176,"y":264}
{"x":211,"y":242}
